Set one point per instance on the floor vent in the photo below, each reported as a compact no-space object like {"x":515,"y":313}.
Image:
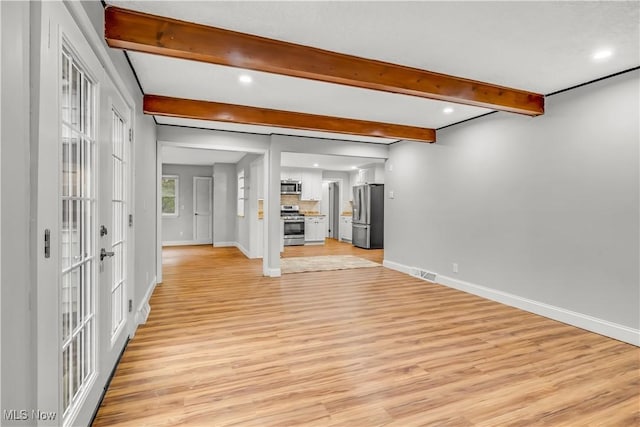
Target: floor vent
{"x":423,"y":274}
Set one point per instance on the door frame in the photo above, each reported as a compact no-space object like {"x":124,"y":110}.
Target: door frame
{"x":209,"y":240}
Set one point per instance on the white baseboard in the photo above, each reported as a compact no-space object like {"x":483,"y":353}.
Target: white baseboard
{"x":242,"y":249}
{"x":580,"y":320}
{"x":144,"y":308}
{"x":272,"y":272}
{"x":396,"y":266}
{"x":223,"y":244}
{"x":184,"y":243}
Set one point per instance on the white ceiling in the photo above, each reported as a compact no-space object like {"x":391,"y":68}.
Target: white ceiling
{"x":326,"y":162}
{"x":536,"y":46}
{"x":200,"y":157}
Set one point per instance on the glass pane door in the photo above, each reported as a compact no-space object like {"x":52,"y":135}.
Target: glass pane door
{"x":78,"y":204}
{"x":118,"y":218}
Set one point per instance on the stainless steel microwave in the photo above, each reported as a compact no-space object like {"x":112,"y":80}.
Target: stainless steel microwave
{"x":290,"y":187}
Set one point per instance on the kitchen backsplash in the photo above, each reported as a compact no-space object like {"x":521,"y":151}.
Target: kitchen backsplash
{"x":305,"y":205}
{"x":309,"y":206}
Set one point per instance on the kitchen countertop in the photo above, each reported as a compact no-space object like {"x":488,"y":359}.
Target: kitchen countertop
{"x":346,"y":213}
{"x":312,"y":213}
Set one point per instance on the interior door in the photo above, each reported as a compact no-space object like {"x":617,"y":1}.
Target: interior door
{"x":202,"y":209}
{"x":114,"y":201}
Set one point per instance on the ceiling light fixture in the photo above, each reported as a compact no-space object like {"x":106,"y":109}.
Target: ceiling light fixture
{"x":602,"y":54}
{"x":315,"y":165}
{"x":245,"y":79}
{"x":448,"y":110}
{"x":354,"y":167}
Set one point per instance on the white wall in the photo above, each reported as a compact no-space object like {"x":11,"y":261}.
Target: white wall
{"x":541,"y":209}
{"x":243,"y":224}
{"x":180,"y":228}
{"x":17,"y":373}
{"x":224,"y":203}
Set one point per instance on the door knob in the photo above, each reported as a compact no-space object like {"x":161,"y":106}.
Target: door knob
{"x":103,"y":231}
{"x":104,"y":254}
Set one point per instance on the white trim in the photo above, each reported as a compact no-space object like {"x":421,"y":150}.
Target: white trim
{"x":185,"y":243}
{"x":223,"y":244}
{"x":242,"y":249}
{"x":273,"y":272}
{"x":142,"y":313}
{"x":580,"y":320}
{"x":397,"y":266}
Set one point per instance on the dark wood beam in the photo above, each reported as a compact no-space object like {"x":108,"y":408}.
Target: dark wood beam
{"x":142,"y":32}
{"x":219,"y":112}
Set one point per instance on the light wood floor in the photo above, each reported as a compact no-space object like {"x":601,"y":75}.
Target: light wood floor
{"x":224,"y":346}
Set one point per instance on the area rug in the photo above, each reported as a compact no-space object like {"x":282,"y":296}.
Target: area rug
{"x":324,"y":263}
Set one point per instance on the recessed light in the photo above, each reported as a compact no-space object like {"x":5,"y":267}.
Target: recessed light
{"x":448,"y":110}
{"x":354,"y":167}
{"x":315,"y":165}
{"x":245,"y":79}
{"x":602,"y":54}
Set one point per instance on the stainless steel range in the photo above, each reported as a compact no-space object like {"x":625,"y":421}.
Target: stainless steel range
{"x":293,"y":225}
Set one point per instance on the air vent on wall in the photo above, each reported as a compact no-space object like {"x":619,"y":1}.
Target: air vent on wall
{"x":423,"y":274}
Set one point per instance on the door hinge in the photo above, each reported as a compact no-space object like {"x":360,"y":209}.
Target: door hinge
{"x":47,"y":243}
{"x":130,"y":306}
{"x":130,"y":220}
{"x":130,"y":134}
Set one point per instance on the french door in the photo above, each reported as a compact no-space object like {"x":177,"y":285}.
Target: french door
{"x":115,"y":168}
{"x":82,"y":184}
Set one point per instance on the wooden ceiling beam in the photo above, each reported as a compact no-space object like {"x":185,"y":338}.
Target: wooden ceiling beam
{"x":215,"y":111}
{"x":141,"y":32}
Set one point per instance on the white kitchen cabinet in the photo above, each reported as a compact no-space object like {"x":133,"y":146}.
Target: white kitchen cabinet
{"x":311,"y":184}
{"x":315,"y":229}
{"x":291,"y":174}
{"x":370,"y":175}
{"x":345,"y":228}
{"x":365,"y":176}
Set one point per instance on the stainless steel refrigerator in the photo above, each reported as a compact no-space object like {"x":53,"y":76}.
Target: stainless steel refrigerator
{"x":368,"y":216}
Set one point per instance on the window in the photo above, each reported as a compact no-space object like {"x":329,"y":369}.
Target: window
{"x":169,"y":195}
